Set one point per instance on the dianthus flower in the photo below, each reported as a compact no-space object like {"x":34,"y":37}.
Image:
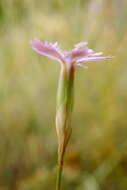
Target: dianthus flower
{"x":69,"y":60}
{"x":75,"y":57}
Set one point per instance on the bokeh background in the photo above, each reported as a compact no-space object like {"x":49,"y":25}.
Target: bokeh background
{"x":96,"y":158}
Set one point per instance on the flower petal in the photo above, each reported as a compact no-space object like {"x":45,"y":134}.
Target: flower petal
{"x":48,"y":49}
{"x":81,"y":65}
{"x":90,"y":59}
{"x":78,"y":52}
{"x":81,"y":53}
{"x":80,"y":45}
{"x":74,"y":54}
{"x":96,"y":54}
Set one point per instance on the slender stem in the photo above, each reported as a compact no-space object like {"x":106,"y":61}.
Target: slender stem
{"x":59,"y":176}
{"x":59,"y":172}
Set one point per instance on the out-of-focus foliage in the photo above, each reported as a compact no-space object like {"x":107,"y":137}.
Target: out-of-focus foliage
{"x":97,"y":155}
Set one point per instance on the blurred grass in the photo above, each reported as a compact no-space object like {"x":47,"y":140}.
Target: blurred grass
{"x":97,"y":157}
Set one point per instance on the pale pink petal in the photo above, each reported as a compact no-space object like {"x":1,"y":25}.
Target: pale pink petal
{"x":48,"y":49}
{"x":78,"y":52}
{"x":90,"y":59}
{"x":81,"y":45}
{"x":81,"y":53}
{"x":74,"y":54}
{"x":81,"y":65}
{"x":96,"y":54}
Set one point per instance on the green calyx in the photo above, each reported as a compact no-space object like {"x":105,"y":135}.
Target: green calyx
{"x":64,"y":107}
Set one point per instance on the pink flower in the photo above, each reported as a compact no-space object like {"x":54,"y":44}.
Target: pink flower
{"x":75,"y":57}
{"x":65,"y":96}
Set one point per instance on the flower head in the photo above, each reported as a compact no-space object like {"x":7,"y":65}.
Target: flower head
{"x":75,"y":57}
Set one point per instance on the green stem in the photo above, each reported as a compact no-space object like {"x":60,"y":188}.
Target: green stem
{"x":59,"y":177}
{"x":59,"y":172}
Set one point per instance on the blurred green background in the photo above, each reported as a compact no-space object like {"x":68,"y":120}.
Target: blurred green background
{"x":96,"y":158}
